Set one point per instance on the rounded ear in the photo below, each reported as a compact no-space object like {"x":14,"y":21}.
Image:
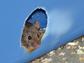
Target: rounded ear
{"x":36,"y":24}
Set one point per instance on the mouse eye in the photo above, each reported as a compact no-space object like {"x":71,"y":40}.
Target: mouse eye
{"x":29,"y":37}
{"x":38,"y":35}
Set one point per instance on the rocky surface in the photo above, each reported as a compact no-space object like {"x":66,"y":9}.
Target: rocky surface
{"x":72,"y":52}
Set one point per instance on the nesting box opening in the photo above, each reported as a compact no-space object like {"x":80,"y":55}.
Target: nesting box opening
{"x":34,"y":29}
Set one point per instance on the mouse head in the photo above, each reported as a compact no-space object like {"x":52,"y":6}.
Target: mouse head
{"x":31,"y":36}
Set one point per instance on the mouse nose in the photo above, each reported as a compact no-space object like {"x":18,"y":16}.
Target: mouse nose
{"x":36,"y":44}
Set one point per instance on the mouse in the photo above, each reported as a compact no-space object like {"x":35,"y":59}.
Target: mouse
{"x":31,"y":38}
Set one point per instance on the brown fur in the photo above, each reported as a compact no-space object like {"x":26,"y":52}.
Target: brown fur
{"x":31,"y":38}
